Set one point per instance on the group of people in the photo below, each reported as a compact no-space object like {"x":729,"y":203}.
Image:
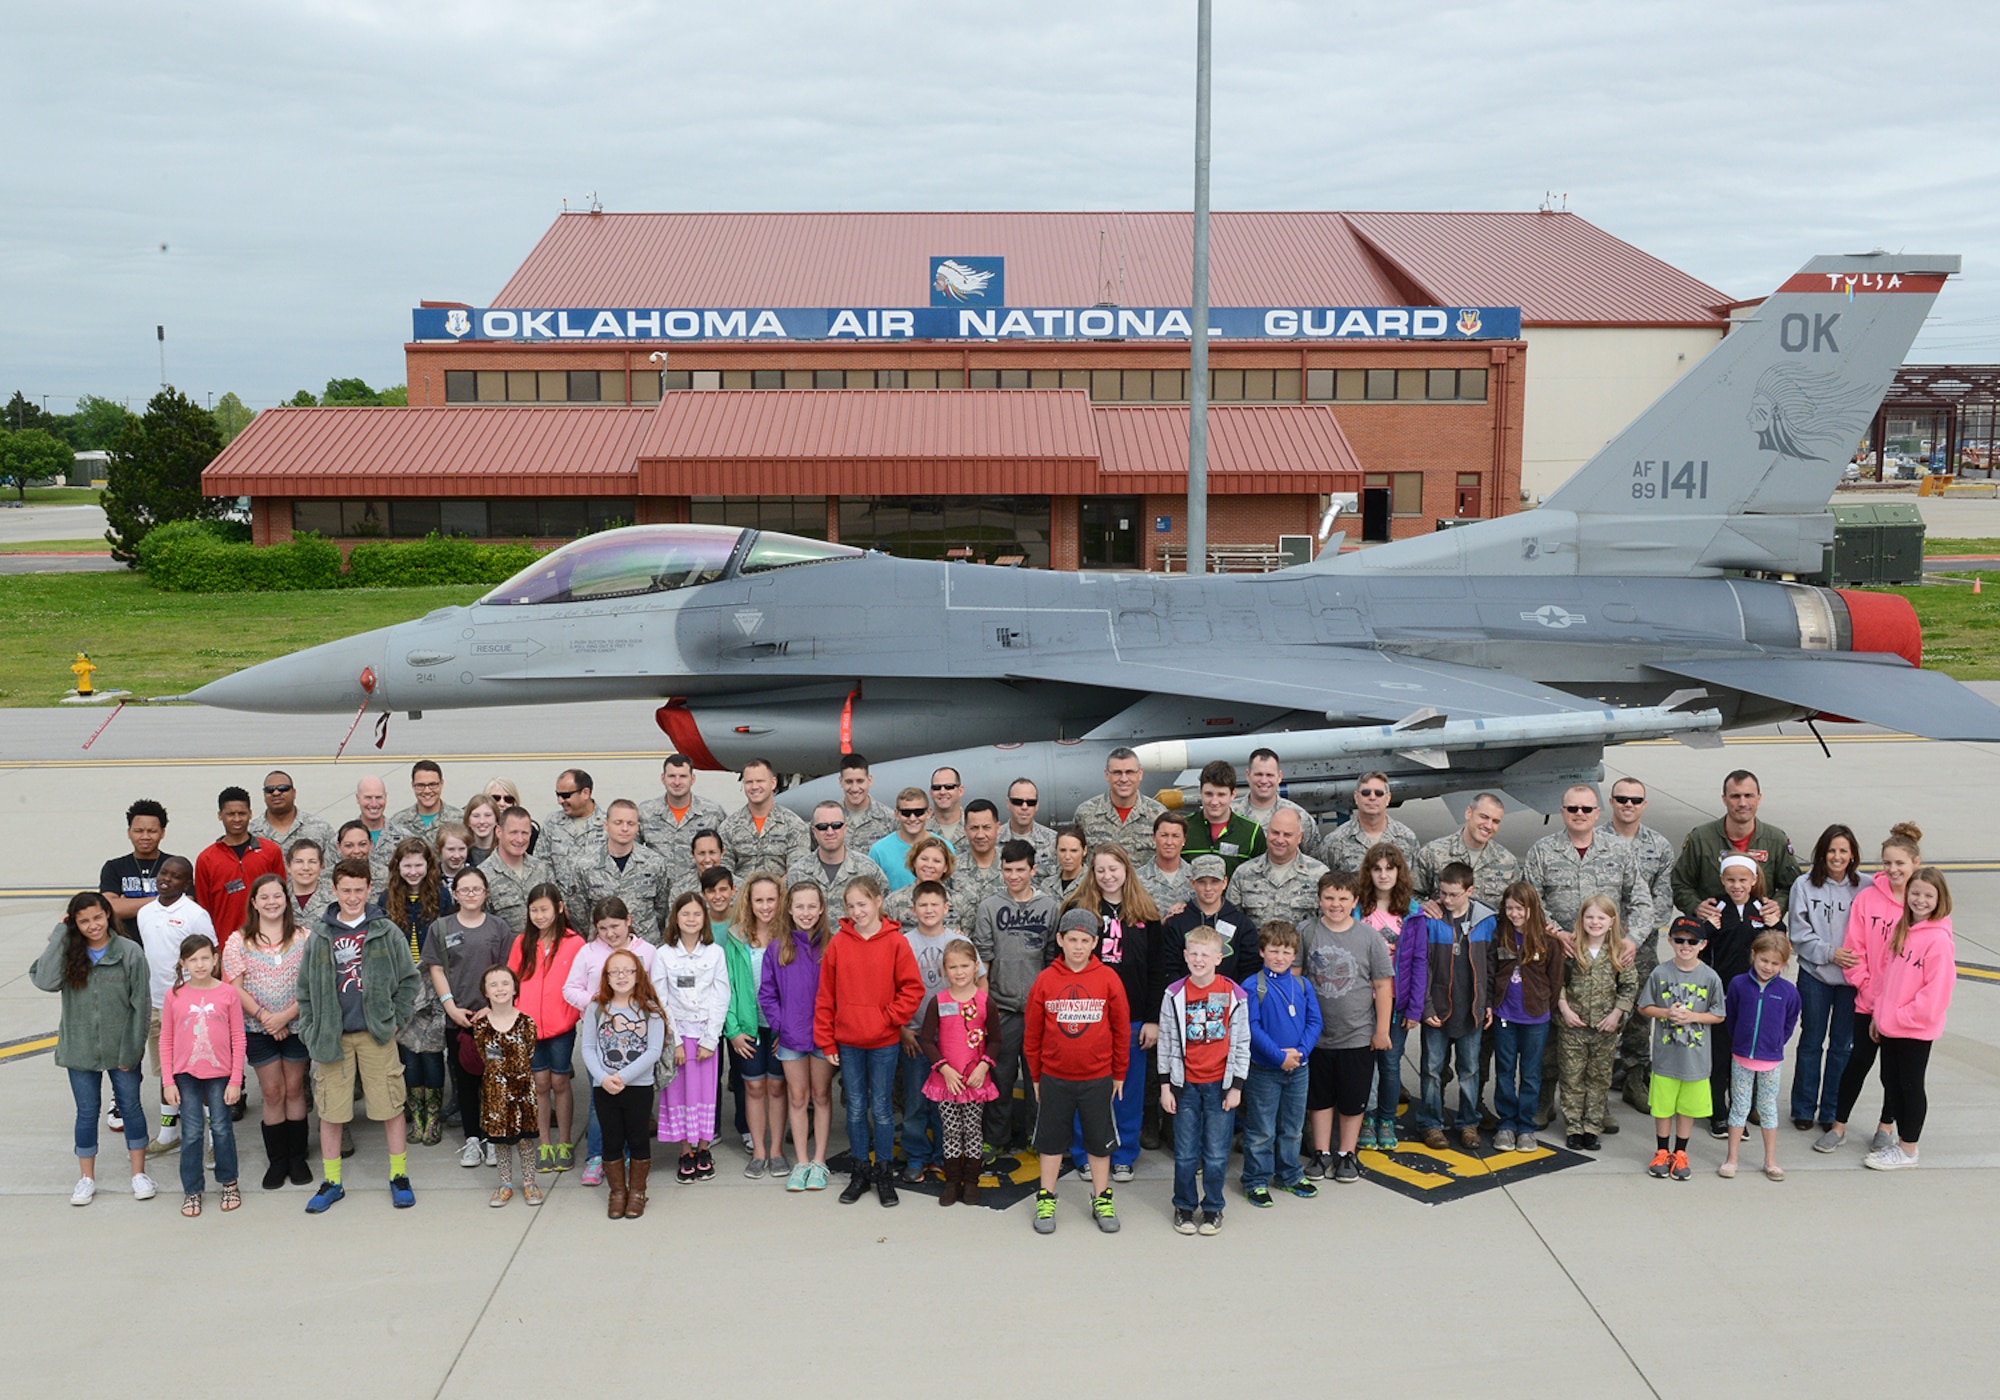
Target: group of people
{"x":1157,"y":978}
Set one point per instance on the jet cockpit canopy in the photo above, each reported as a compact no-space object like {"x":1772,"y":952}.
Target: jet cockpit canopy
{"x":646,"y":559}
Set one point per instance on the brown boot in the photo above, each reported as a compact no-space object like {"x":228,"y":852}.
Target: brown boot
{"x":614,"y":1196}
{"x":951,"y":1166}
{"x":969,"y":1169}
{"x":635,"y":1201}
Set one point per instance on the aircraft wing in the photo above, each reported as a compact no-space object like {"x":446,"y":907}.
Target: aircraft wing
{"x":1883,"y":691}
{"x":1347,"y":684}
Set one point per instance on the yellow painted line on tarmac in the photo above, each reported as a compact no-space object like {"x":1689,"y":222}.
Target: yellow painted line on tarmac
{"x":20,"y":1049}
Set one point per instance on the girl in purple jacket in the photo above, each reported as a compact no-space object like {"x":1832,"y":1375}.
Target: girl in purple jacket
{"x":786,"y":996}
{"x":1763,"y":1012}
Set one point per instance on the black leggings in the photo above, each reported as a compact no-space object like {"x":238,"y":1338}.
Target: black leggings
{"x":468,"y":1086}
{"x":1904,"y":1101}
{"x":1854,"y":1078}
{"x":626,"y":1119}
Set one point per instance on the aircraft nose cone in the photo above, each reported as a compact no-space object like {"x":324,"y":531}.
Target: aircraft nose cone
{"x":325,"y":679}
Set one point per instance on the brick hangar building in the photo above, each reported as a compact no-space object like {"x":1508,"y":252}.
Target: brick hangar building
{"x":1004,"y":387}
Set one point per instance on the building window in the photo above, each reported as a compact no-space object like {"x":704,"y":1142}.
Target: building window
{"x":584,"y":386}
{"x":1013,"y":379}
{"x":708,"y":379}
{"x":985,"y":379}
{"x":461,"y":386}
{"x":791,"y":515}
{"x":1106,"y":385}
{"x":647,"y":383}
{"x":1225,"y":385}
{"x":413,"y":519}
{"x":989,"y":529}
{"x":492,"y":386}
{"x":767,"y":379}
{"x":829,"y":379}
{"x":1319,"y":383}
{"x":556,"y":518}
{"x":890,"y":378}
{"x":1381,"y":383}
{"x":467,"y":518}
{"x":1406,"y":493}
{"x":1472,"y":384}
{"x":1411,"y":384}
{"x":735,"y":379}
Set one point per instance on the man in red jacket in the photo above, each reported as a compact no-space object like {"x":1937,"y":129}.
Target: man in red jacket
{"x":224,"y":870}
{"x":1077,"y":1039}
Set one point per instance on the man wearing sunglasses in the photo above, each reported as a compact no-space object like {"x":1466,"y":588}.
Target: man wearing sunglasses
{"x":572,"y":833}
{"x":891,"y":854}
{"x":1344,"y":848}
{"x":831,"y":863}
{"x":1653,"y":855}
{"x":762,"y":838}
{"x":1024,"y":805}
{"x":1569,"y":866}
{"x":282,"y":822}
{"x":947,"y":811}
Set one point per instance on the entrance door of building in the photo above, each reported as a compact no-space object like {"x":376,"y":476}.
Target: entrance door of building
{"x":1108,"y":532}
{"x":1375,"y":514}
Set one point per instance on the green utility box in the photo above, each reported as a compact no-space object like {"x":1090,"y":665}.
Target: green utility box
{"x":1875,"y":542}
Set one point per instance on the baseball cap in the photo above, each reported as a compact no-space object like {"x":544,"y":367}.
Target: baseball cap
{"x":1078,"y":918}
{"x":1208,"y":868}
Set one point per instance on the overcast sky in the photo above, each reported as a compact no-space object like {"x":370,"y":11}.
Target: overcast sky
{"x":280,"y":184}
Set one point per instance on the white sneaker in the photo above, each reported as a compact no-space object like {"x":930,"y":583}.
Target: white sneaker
{"x":470,"y":1155}
{"x":170,"y":1133}
{"x":749,"y":1144}
{"x":116,"y":1120}
{"x":1889,"y":1159}
{"x":85,"y":1192}
{"x":143,"y":1188}
{"x":492,"y":1155}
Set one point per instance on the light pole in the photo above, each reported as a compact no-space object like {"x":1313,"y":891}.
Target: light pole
{"x":161,"y":333}
{"x":1197,"y":482}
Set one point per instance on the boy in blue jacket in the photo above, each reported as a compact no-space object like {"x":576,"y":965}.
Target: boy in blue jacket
{"x":1284,"y":1027}
{"x":1443,"y":989}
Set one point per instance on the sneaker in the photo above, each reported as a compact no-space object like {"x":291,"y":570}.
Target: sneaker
{"x":502,"y":1194}
{"x":400,"y":1194}
{"x":1316,"y":1166}
{"x":1718,"y":1128}
{"x":1662,"y":1163}
{"x":1045,"y":1212}
{"x":913,"y":1173}
{"x":1890,"y":1159}
{"x":545,"y":1158}
{"x":749,"y":1145}
{"x":1210,"y":1225}
{"x":704,"y":1165}
{"x":815,"y":1176}
{"x":1829,"y":1141}
{"x":1107,"y":1213}
{"x":323,"y":1199}
{"x":1304,"y":1190}
{"x":1880,"y":1141}
{"x":1503,"y":1141}
{"x":685,"y":1171}
{"x":1259,"y":1196}
{"x":1680,"y":1170}
{"x":115,"y":1121}
{"x":160,"y":1146}
{"x":1366,"y":1142}
{"x":800,"y":1174}
{"x":1346,"y":1170}
{"x":858,"y":1182}
{"x":492,"y":1155}
{"x":470,"y":1155}
{"x":85,"y":1192}
{"x":1525,"y":1142}
{"x":143,"y":1188}
{"x":1385,"y":1135}
{"x":1121,"y":1172}
{"x":593,"y":1171}
{"x":565,"y":1156}
{"x":1184,"y":1222}
{"x":778,"y":1166}
{"x":756,"y":1168}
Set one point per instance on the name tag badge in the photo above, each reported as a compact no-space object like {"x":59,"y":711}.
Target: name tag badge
{"x":452,"y":940}
{"x":1225,"y":928}
{"x":1516,"y":978}
{"x":1228,"y":848}
{"x":684,"y":981}
{"x":233,"y":887}
{"x":947,"y":1008}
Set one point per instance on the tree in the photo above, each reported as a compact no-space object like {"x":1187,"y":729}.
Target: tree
{"x":22,"y":413}
{"x":231,"y":417}
{"x":395,"y":396}
{"x":349,"y":393}
{"x":95,"y":425}
{"x":155,"y":471}
{"x":32,"y":455}
{"x":302,"y":399}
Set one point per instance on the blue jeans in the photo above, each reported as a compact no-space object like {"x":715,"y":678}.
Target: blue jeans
{"x":923,"y":1128}
{"x":1201,"y":1143}
{"x":1126,"y":1112}
{"x":1517,"y":1049}
{"x":1464,"y":1053}
{"x":866,"y":1079}
{"x":205,"y":1101}
{"x":1274,"y":1114}
{"x":1388,"y":1087}
{"x":593,"y":1131}
{"x":87,"y":1088}
{"x":1826,"y":1016}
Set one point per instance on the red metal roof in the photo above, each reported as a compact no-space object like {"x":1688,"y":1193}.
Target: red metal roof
{"x":1556,"y":267}
{"x":1286,"y":449}
{"x":473,"y":450}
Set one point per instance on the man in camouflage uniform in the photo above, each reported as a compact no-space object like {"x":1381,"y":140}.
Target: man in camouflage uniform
{"x":868,"y":821}
{"x":831,"y":863}
{"x":947,"y":816}
{"x":423,"y":816}
{"x":371,"y":798}
{"x":281,"y":806}
{"x":1024,"y":801}
{"x":1494,"y":867}
{"x":622,"y":867}
{"x":762,"y":838}
{"x":667,"y":823}
{"x":1343,"y":848}
{"x":976,"y":876}
{"x":1283,"y":883}
{"x":1262,"y":800}
{"x":1167,"y":877}
{"x":1653,"y":855}
{"x":573,"y":831}
{"x":511,"y":872}
{"x":1122,"y":816}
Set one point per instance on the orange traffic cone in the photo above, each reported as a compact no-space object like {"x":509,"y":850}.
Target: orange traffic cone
{"x":1975,"y":584}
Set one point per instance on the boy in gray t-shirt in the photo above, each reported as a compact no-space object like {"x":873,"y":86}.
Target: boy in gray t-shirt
{"x":1683,"y":999}
{"x":1354,"y":978}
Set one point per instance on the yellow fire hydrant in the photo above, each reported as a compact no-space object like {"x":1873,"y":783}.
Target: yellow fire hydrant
{"x":82,"y":668}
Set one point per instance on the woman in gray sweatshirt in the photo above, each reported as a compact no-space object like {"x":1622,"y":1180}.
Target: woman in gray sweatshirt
{"x":1817,"y":922}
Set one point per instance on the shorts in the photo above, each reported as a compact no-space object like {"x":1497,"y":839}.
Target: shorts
{"x":1669,"y":1097}
{"x":1058,"y":1104}
{"x":762,"y":1061}
{"x":786,"y":1056}
{"x":379,"y":1068}
{"x":556,"y":1055}
{"x":260,"y":1049}
{"x":1338,"y":1080}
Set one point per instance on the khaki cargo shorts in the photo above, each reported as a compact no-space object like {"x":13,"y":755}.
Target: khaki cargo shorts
{"x":380,"y":1069}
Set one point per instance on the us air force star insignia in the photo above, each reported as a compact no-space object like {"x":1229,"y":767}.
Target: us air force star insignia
{"x":749,"y":620}
{"x":1553,"y":615}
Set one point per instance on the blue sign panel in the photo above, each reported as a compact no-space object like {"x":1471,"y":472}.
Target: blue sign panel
{"x":968,"y":281}
{"x":966,"y":322}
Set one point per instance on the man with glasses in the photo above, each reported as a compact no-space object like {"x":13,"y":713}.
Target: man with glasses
{"x":762,"y":838}
{"x":422,"y":816}
{"x":1344,"y":848}
{"x":831,"y":863}
{"x":572,"y":832}
{"x":668,"y":823}
{"x":1262,"y":801}
{"x":947,"y":816}
{"x":1121,"y":815}
{"x":868,"y":821}
{"x":1494,"y":867}
{"x":1024,"y":803}
{"x":891,"y":854}
{"x":282,"y":822}
{"x":1653,"y":855}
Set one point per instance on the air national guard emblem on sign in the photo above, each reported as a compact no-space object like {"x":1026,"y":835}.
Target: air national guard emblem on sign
{"x":1468,"y":321}
{"x":959,"y":282}
{"x":457,"y":322}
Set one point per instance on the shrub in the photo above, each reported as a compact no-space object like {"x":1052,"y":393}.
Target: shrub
{"x":196,"y":561}
{"x":435,"y":560}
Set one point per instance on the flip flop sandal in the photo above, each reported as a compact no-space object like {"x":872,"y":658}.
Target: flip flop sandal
{"x":232,"y":1197}
{"x":191,"y":1205}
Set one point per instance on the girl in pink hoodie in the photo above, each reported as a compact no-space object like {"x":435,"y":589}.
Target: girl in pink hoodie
{"x":1870,"y":921}
{"x":1912,"y":993}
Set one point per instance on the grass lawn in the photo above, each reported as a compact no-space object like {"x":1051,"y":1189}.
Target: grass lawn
{"x":1983,"y":544}
{"x":59,"y":495}
{"x":96,"y":546}
{"x":154,"y":643}
{"x":1961,"y":629}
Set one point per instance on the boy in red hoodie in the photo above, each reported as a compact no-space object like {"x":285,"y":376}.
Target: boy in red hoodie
{"x":1076,"y":1037}
{"x":869,"y":987}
